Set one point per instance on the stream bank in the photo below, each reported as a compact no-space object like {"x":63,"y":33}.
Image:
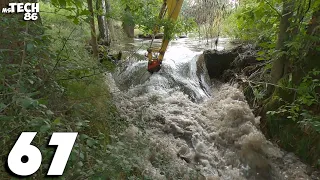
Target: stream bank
{"x":239,"y":66}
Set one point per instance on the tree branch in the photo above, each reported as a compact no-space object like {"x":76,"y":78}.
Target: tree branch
{"x":279,"y":14}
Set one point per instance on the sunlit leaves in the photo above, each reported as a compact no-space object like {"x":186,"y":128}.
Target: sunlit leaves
{"x":65,"y":3}
{"x":254,"y":20}
{"x":76,"y":7}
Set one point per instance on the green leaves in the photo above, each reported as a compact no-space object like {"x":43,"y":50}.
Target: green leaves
{"x":45,"y":128}
{"x":254,"y":21}
{"x":30,"y":46}
{"x":301,"y":110}
{"x":27,"y":102}
{"x":57,"y":121}
{"x":90,"y":142}
{"x":258,"y":94}
{"x":49,"y":112}
{"x":2,"y":106}
{"x":63,"y":3}
{"x":76,"y":21}
{"x":84,"y":12}
{"x":37,"y":101}
{"x":75,"y":7}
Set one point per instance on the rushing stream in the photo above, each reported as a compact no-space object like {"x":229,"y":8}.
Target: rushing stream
{"x":201,"y":127}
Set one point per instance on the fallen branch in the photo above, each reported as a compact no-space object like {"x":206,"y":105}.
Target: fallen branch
{"x":246,"y":80}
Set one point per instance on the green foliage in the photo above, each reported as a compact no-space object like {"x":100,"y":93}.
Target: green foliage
{"x":296,"y":123}
{"x":293,"y":117}
{"x":145,"y":14}
{"x":49,"y":84}
{"x":303,"y":109}
{"x":142,"y":11}
{"x":288,"y":134}
{"x":76,"y":8}
{"x":254,"y":21}
{"x":185,"y":25}
{"x":170,"y":28}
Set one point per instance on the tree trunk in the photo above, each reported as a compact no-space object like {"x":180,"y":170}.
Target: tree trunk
{"x":312,"y":59}
{"x":102,"y":23}
{"x":93,"y":30}
{"x":128,"y":23}
{"x":280,"y":65}
{"x":129,"y":30}
{"x":109,"y":22}
{"x":314,"y":23}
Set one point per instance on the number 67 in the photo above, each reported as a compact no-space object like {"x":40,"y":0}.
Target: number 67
{"x":25,"y":159}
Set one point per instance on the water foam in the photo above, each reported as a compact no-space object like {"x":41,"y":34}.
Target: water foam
{"x":218,"y":138}
{"x":214,"y":137}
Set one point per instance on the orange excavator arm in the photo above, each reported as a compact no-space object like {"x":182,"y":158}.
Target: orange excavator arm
{"x":171,"y":8}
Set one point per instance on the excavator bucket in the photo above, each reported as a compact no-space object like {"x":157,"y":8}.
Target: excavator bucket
{"x":154,"y":66}
{"x":172,"y":9}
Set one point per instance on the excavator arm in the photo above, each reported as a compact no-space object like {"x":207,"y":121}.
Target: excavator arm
{"x":171,"y":8}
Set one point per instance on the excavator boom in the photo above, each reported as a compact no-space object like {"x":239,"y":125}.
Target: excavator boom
{"x":171,"y":8}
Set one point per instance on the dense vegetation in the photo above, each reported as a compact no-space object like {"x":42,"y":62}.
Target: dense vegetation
{"x":51,"y":82}
{"x":287,"y":88}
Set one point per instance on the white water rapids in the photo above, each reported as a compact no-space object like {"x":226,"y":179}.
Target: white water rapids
{"x":200,"y":127}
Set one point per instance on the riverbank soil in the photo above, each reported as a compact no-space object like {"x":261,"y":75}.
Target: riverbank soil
{"x":239,"y":66}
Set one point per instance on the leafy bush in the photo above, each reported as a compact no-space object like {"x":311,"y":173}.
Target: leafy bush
{"x":49,"y":84}
{"x":293,"y":119}
{"x":253,"y":21}
{"x":303,"y":109}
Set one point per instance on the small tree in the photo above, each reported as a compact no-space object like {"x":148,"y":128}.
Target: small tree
{"x":104,"y":34}
{"x":93,"y":30}
{"x":280,"y":65}
{"x":128,"y":22}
